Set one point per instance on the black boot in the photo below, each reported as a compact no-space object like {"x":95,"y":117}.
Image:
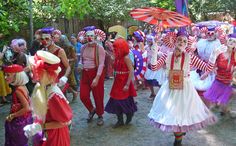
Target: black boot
{"x":120,"y":121}
{"x":129,"y":118}
{"x":178,"y":143}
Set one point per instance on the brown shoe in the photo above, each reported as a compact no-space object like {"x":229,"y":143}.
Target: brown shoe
{"x":100,"y":121}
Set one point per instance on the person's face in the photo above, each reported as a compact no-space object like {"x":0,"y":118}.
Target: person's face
{"x":46,"y":41}
{"x":73,"y":40}
{"x":149,"y":42}
{"x":56,"y":38}
{"x":231,"y":43}
{"x":90,"y":38}
{"x":181,"y":42}
{"x":10,"y":77}
{"x":211,"y":35}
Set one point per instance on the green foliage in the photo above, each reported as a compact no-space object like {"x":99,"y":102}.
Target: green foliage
{"x":200,"y":9}
{"x":13,"y":14}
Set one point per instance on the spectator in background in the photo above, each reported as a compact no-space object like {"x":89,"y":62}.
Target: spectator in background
{"x":109,"y":59}
{"x":77,"y":45}
{"x":4,"y":87}
{"x":71,"y":55}
{"x":36,"y":45}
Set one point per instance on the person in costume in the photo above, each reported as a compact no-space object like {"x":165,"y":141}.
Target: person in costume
{"x":203,"y":80}
{"x":109,"y":60}
{"x":77,"y":45}
{"x":50,"y":107}
{"x":177,"y":107}
{"x":123,"y":91}
{"x":92,"y":65}
{"x":140,"y":62}
{"x":47,"y":40}
{"x":19,"y":47}
{"x":221,"y":90}
{"x":153,"y":78}
{"x":4,"y":88}
{"x":20,"y":114}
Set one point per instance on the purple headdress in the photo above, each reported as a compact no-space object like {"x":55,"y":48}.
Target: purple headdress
{"x":139,"y":36}
{"x":47,"y":30}
{"x":89,"y":28}
{"x":182,"y":33}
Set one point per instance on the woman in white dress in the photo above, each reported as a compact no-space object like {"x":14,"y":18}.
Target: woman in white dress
{"x":177,"y":106}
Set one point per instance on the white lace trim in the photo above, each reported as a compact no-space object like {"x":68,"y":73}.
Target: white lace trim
{"x":54,"y":89}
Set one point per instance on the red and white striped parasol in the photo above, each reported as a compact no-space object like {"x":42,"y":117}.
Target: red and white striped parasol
{"x":160,"y":17}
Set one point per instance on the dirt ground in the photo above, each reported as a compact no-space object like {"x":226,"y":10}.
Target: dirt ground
{"x":140,"y":132}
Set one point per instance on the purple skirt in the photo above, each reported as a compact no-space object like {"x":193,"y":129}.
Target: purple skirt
{"x":125,"y":106}
{"x":218,"y":93}
{"x":14,"y":133}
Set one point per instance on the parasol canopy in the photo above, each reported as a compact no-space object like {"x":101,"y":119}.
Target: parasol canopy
{"x":160,"y":17}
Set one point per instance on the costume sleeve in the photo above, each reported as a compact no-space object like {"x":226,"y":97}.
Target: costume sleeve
{"x":159,"y":63}
{"x":198,"y":63}
{"x":59,"y":109}
{"x":101,"y":53}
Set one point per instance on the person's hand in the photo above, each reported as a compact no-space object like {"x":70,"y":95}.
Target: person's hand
{"x":10,"y":117}
{"x":95,"y":82}
{"x":80,"y":67}
{"x":126,"y":87}
{"x":62,"y":81}
{"x":32,"y":129}
{"x":154,"y":51}
{"x":204,"y":76}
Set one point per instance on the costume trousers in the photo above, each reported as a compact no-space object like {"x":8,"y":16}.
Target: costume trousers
{"x":98,"y":92}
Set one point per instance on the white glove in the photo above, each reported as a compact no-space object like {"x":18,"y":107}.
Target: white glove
{"x":216,"y":52}
{"x":154,"y":51}
{"x":62,"y":81}
{"x":32,"y":129}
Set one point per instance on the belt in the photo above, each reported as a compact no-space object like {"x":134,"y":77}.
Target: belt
{"x":121,"y":72}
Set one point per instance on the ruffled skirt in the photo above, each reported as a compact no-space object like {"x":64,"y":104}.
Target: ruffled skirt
{"x":218,"y":93}
{"x":180,"y":110}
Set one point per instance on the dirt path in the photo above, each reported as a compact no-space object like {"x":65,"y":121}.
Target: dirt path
{"x":140,"y":133}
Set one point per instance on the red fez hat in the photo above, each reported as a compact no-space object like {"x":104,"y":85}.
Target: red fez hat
{"x":15,"y":68}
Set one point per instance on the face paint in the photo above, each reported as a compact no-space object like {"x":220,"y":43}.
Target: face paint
{"x":211,"y":36}
{"x":46,"y":41}
{"x":182,"y":43}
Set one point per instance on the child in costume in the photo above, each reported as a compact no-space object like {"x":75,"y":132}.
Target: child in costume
{"x":51,"y":109}
{"x":177,"y":107}
{"x":123,"y":91}
{"x":221,"y":90}
{"x":20,"y":114}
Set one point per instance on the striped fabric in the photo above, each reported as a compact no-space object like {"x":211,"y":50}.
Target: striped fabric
{"x":195,"y":62}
